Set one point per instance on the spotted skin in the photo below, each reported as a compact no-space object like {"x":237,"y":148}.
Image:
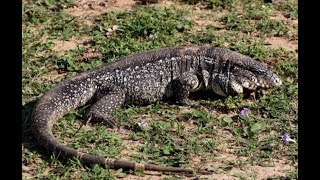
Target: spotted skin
{"x":108,"y":99}
{"x":145,"y":78}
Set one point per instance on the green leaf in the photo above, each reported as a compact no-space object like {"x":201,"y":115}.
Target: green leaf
{"x":166,"y":151}
{"x":139,"y":173}
{"x":256,"y":127}
{"x":49,"y":3}
{"x":227,"y":120}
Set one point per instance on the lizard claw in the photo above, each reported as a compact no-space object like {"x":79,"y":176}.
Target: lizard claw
{"x":105,"y":120}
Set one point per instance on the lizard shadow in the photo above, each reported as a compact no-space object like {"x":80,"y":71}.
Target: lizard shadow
{"x":211,"y":96}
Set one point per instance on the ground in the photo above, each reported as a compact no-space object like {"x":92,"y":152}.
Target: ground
{"x":62,"y":38}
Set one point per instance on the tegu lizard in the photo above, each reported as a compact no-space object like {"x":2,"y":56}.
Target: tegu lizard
{"x":145,"y":78}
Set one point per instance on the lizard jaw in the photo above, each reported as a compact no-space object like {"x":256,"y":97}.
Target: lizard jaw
{"x":274,"y":82}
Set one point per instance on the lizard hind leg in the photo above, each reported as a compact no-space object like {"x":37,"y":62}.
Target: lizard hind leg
{"x":107,"y":102}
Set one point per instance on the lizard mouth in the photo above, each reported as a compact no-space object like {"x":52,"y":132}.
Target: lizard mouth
{"x":277,"y":81}
{"x":274,"y":82}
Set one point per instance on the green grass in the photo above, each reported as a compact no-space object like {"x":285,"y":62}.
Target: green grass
{"x":174,"y":135}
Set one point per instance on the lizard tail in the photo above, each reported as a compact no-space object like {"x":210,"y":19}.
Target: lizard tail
{"x":49,"y":109}
{"x":47,"y":139}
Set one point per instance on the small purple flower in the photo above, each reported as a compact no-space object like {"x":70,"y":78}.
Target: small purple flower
{"x":286,"y":138}
{"x":142,"y":123}
{"x":245,"y":112}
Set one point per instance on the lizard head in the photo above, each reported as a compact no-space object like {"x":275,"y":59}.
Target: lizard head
{"x":229,"y":72}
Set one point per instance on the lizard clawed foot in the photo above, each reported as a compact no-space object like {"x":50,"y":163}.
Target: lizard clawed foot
{"x":100,"y":119}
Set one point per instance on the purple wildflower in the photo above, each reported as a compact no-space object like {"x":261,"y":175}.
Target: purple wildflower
{"x":286,"y":138}
{"x":245,"y":112}
{"x":142,"y":123}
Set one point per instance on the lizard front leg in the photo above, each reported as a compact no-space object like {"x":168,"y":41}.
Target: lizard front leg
{"x":109,"y":99}
{"x":182,"y":86}
{"x":223,"y":85}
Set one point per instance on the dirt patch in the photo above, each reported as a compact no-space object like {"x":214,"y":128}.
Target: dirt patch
{"x":90,"y":54}
{"x":201,"y":15}
{"x":167,"y":3}
{"x":276,"y":42}
{"x":129,"y":149}
{"x":97,"y":7}
{"x":52,"y":76}
{"x":291,"y":24}
{"x":278,"y":16}
{"x":61,"y":46}
{"x":226,"y":155}
{"x":290,"y":42}
{"x":129,"y":146}
{"x":278,"y":169}
{"x":220,"y":164}
{"x":204,"y":18}
{"x":293,"y":31}
{"x":148,"y":175}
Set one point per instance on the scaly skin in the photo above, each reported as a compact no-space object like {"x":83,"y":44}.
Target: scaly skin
{"x":145,"y":78}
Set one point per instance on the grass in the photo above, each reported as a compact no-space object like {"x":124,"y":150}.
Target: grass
{"x":214,"y":137}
